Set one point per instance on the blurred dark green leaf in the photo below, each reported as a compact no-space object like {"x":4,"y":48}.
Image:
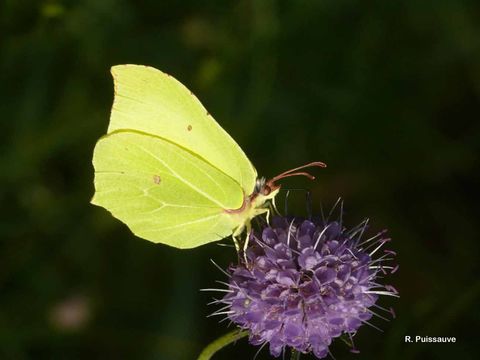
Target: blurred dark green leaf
{"x":386,"y":92}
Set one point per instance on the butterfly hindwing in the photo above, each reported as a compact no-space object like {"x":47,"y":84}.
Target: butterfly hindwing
{"x":163,"y":192}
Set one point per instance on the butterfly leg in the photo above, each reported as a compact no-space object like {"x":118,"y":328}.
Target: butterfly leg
{"x":236,"y":243}
{"x":236,"y":238}
{"x":245,"y":243}
{"x":267,"y":216}
{"x":248,"y":226}
{"x":274,"y":207}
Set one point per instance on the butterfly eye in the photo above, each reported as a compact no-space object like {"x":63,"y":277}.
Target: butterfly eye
{"x":259,"y":185}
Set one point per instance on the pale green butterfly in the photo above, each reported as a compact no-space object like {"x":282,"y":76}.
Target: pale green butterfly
{"x":169,"y":171}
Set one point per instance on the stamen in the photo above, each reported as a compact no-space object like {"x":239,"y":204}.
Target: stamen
{"x":393,"y":313}
{"x":341,"y":215}
{"x":382,"y":293}
{"x":351,"y":252}
{"x":259,"y":350}
{"x":219,"y":268}
{"x":333,"y":208}
{"x":217,"y":312}
{"x":221,"y":313}
{"x":370,"y":239}
{"x":225,"y":283}
{"x":225,"y":319}
{"x":379,"y":267}
{"x":377,"y":315}
{"x":381,"y":308}
{"x":369,"y":324}
{"x":290,"y":232}
{"x":217,"y":301}
{"x":320,"y":236}
{"x":350,"y":233}
{"x":378,"y":247}
{"x":391,"y":288}
{"x":220,"y":290}
{"x":364,"y":227}
{"x":331,"y":355}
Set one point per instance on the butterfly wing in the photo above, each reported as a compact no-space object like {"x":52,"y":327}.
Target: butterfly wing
{"x":153,"y":102}
{"x":163,"y":192}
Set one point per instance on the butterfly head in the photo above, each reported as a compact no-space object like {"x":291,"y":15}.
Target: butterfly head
{"x":263,"y":191}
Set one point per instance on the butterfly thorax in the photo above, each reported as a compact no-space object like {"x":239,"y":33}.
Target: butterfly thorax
{"x":254,"y":204}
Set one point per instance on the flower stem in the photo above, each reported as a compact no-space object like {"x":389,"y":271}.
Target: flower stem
{"x":220,"y":343}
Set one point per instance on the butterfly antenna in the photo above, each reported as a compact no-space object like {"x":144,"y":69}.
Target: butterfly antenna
{"x":312,"y":164}
{"x":295,"y":172}
{"x":300,"y":173}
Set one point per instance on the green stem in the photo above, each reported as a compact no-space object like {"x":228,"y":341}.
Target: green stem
{"x":220,"y":343}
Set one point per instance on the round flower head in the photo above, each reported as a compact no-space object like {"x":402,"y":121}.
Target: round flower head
{"x":306,"y":283}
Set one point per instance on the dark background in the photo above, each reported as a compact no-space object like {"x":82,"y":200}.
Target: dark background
{"x":386,"y":92}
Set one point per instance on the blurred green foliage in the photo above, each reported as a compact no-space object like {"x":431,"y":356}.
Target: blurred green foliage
{"x":386,"y":92}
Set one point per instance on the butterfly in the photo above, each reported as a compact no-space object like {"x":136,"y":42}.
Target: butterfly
{"x":169,"y":171}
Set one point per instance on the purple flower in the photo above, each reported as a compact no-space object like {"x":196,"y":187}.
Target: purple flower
{"x":306,"y":283}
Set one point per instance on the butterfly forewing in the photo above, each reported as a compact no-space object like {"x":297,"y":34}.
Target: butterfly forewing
{"x":153,"y":102}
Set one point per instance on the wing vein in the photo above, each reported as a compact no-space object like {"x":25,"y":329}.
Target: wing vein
{"x":187,"y":223}
{"x":175,"y":174}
